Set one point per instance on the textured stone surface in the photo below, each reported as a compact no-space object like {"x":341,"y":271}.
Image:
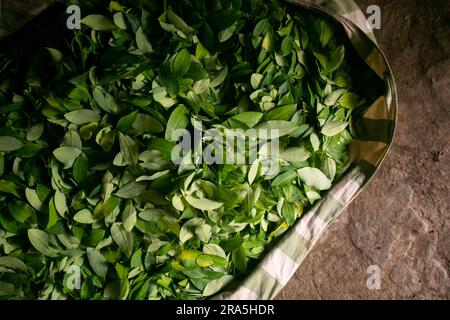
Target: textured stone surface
{"x":401,"y":222}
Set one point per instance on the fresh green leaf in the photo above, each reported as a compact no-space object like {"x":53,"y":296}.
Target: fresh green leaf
{"x":203,"y":204}
{"x":216,"y":285}
{"x":13,"y":263}
{"x":131,"y":190}
{"x":61,"y":203}
{"x":239,"y":259}
{"x":142,"y":42}
{"x":254,"y":171}
{"x":288,"y":213}
{"x":106,"y":101}
{"x":41,"y":241}
{"x":332,"y":128}
{"x":284,"y":179}
{"x":33,"y":199}
{"x":182,"y":63}
{"x":97,"y":22}
{"x":295,"y":154}
{"x":80,"y":169}
{"x":98,"y":262}
{"x":84,"y":217}
{"x":177,"y":120}
{"x":129,"y":217}
{"x":35,"y":132}
{"x":282,"y":113}
{"x":256,"y":80}
{"x":81,"y":117}
{"x":179,"y":23}
{"x":250,"y":119}
{"x":123,"y":238}
{"x":67,"y":156}
{"x":336,"y":60}
{"x":350,"y":100}
{"x":129,"y":149}
{"x":9,"y":144}
{"x":203,"y":232}
{"x":276,"y":128}
{"x":314,"y":178}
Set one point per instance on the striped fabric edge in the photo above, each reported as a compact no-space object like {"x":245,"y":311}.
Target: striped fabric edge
{"x":377,"y":130}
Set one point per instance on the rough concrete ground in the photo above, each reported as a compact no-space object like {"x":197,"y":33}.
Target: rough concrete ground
{"x":401,"y":222}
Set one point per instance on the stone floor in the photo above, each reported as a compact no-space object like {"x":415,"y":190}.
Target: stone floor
{"x":401,"y":222}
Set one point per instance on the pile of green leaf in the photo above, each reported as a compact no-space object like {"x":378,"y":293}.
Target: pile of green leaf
{"x":86,"y":121}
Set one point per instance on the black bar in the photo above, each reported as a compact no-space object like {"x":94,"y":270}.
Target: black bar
{"x":163,"y":310}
